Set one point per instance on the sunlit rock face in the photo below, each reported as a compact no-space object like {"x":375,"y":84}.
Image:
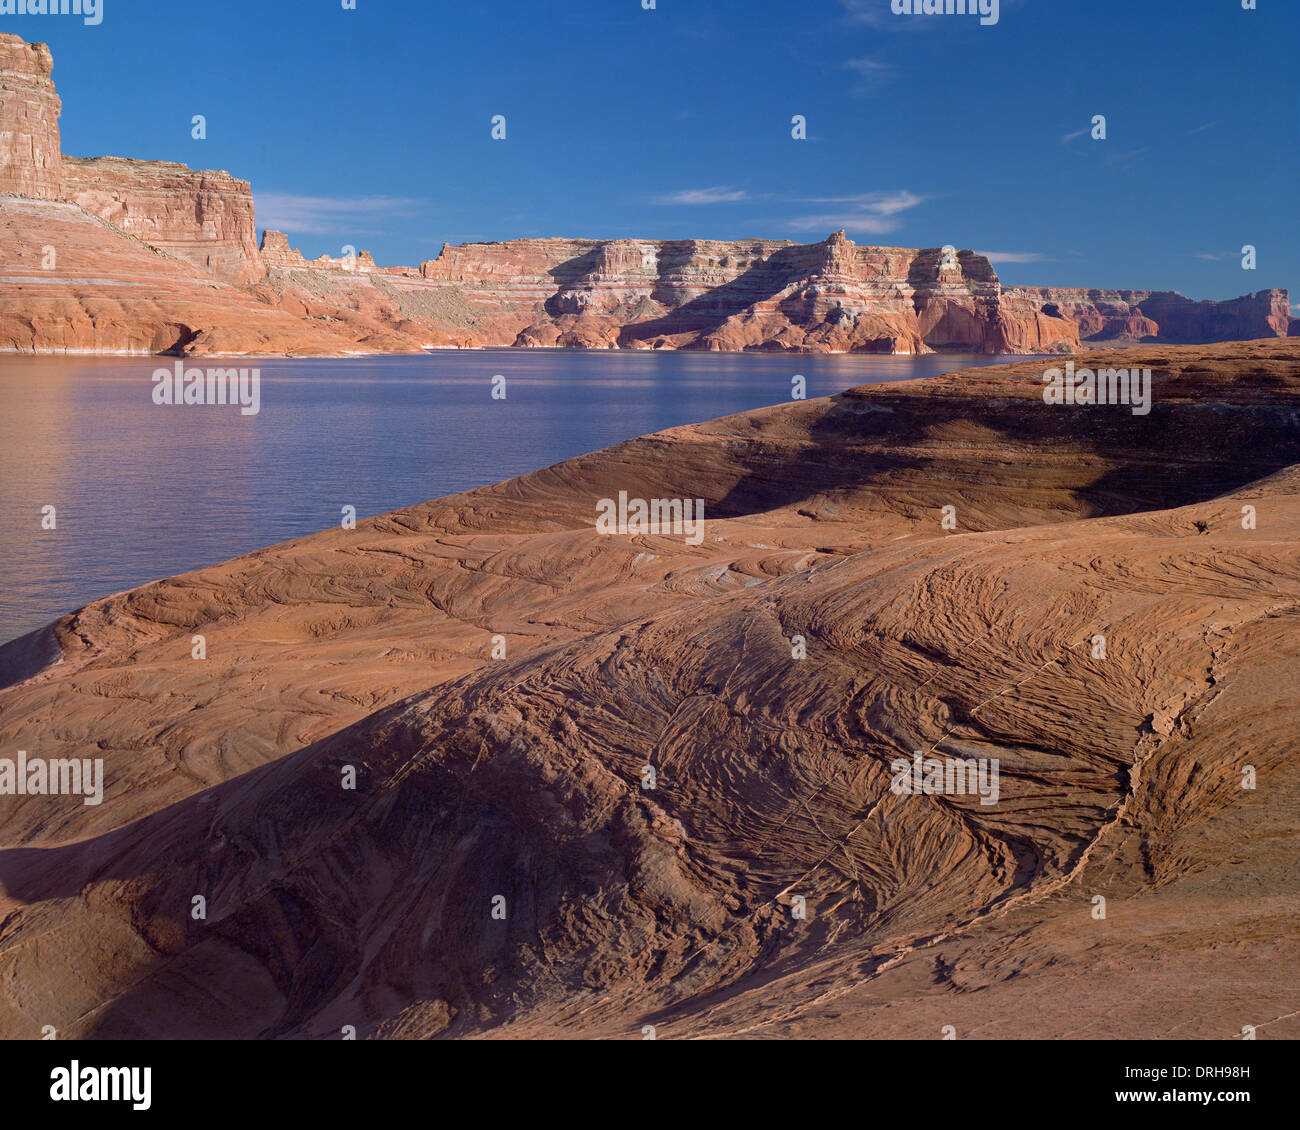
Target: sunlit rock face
{"x":738,"y":294}
{"x":30,"y":161}
{"x":202,"y":216}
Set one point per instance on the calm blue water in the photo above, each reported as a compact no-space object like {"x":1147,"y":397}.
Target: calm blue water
{"x":144,"y":491}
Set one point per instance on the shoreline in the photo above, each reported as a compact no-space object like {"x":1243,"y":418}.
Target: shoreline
{"x":358,"y":355}
{"x":1012,"y":360}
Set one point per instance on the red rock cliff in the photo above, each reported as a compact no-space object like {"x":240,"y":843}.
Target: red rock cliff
{"x":204,"y":217}
{"x":741,"y":294}
{"x":105,"y":292}
{"x":276,"y":252}
{"x":1138,"y":315}
{"x":29,"y":121}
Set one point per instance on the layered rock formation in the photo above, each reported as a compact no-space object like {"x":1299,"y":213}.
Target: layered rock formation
{"x":204,"y":217}
{"x":112,"y":255}
{"x":1266,"y":313}
{"x":1121,"y":316}
{"x":73,"y":283}
{"x":756,"y":294}
{"x":773,"y":295}
{"x":276,"y":252}
{"x":30,"y":157}
{"x":368,"y":301}
{"x":502,"y":868}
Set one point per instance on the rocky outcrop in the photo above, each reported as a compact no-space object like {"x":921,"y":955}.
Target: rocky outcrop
{"x":276,"y":252}
{"x":30,"y":158}
{"x":1029,"y":326}
{"x":1266,"y":313}
{"x":73,"y":283}
{"x":1126,"y":316}
{"x":705,"y":294}
{"x":505,"y":866}
{"x":828,"y":296}
{"x":361,"y":298}
{"x":202,"y":216}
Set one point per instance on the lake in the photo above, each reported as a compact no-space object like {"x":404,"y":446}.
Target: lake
{"x":143,"y":491}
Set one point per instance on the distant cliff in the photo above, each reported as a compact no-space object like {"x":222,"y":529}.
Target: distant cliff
{"x":738,"y":294}
{"x":1138,"y":315}
{"x":173,"y":263}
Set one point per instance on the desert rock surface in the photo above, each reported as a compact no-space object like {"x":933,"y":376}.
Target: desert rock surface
{"x":521,"y":777}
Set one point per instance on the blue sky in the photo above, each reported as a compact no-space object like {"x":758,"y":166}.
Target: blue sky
{"x":372,"y":126}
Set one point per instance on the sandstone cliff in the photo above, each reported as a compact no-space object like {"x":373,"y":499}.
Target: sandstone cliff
{"x":71,"y":282}
{"x":832,"y":296}
{"x":760,"y":294}
{"x":1121,"y":316}
{"x":202,"y":216}
{"x":368,"y":301}
{"x":276,"y":252}
{"x":205,"y":217}
{"x":30,"y":157}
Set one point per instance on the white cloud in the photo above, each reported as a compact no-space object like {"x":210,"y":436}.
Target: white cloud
{"x":1126,"y":158}
{"x":877,"y":13}
{"x":849,"y":221}
{"x":325,"y":215}
{"x":871,"y":73}
{"x":882,"y":203}
{"x":871,"y":212}
{"x":719,"y":194}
